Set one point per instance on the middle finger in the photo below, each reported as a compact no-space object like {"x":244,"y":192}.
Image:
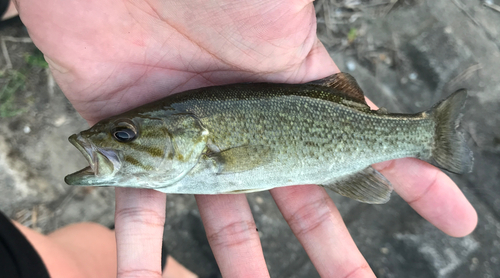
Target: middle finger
{"x":318,"y":225}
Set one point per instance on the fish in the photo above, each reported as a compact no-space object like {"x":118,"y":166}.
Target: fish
{"x":249,"y":137}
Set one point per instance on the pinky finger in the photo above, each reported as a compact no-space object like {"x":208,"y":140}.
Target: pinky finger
{"x":432,"y":194}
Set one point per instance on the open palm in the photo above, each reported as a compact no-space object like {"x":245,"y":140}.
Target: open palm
{"x":110,"y":56}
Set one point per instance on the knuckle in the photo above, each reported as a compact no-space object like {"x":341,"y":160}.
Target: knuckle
{"x":389,"y":166}
{"x":142,"y":216}
{"x":233,"y":234}
{"x":309,"y":216}
{"x":363,"y":270}
{"x":433,"y":182}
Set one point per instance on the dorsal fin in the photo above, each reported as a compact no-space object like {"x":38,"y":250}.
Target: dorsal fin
{"x":344,"y":83}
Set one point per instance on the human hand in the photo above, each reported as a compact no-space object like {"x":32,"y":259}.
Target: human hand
{"x":110,"y":56}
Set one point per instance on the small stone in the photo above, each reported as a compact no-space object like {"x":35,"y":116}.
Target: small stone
{"x":388,"y":60}
{"x":259,"y":200}
{"x":351,"y":65}
{"x":26,"y":129}
{"x":256,"y":208}
{"x":413,"y":76}
{"x":384,"y":250}
{"x":60,"y":121}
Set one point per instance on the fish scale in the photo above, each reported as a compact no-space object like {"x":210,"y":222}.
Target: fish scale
{"x":326,"y":136}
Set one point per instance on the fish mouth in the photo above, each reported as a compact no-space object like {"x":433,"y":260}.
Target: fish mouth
{"x":103,"y":163}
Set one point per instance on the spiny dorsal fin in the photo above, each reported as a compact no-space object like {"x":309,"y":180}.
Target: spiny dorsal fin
{"x":241,"y":159}
{"x":344,"y":83}
{"x":367,"y":186}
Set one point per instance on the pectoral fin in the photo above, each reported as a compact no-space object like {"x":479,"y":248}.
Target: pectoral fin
{"x":241,"y":159}
{"x":367,"y":186}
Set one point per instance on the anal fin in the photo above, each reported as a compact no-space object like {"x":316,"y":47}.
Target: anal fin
{"x":367,"y":186}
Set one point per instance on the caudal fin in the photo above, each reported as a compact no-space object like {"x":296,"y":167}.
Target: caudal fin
{"x":450,"y":149}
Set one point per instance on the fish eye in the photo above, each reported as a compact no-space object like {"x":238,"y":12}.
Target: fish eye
{"x":124,"y":131}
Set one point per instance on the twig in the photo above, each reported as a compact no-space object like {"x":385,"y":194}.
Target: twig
{"x":59,"y":208}
{"x":15,"y":39}
{"x":34,"y":216}
{"x":464,"y":75}
{"x":22,"y":216}
{"x":492,"y":6}
{"x":5,"y":52}
{"x":461,"y":7}
{"x":50,"y":82}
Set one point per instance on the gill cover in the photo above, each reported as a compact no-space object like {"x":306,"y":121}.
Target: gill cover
{"x":189,"y":139}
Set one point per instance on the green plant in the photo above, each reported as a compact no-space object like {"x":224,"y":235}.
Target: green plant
{"x":14,"y":82}
{"x":352,"y":35}
{"x":36,"y":59}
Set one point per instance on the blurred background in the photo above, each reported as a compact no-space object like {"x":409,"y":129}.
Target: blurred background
{"x":405,"y":54}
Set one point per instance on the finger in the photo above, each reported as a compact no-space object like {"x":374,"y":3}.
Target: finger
{"x":316,"y":222}
{"x":139,"y":221}
{"x":432,"y":194}
{"x":232,"y":235}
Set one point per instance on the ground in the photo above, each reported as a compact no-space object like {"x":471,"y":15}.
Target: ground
{"x":406,"y":55}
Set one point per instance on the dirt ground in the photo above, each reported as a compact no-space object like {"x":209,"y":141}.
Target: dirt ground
{"x":406,"y":55}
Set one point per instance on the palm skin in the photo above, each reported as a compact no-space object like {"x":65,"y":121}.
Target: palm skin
{"x":110,"y":56}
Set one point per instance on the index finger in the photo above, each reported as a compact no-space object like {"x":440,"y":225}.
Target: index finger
{"x":139,"y":221}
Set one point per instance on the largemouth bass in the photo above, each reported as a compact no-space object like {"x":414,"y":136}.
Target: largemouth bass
{"x":250,"y":137}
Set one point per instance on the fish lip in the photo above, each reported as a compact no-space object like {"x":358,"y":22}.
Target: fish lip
{"x":85,"y":148}
{"x":95,"y":156}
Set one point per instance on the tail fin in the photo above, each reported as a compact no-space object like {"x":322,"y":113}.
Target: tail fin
{"x":450,"y":149}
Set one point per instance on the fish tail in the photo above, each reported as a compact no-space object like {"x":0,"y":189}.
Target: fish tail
{"x":450,"y":149}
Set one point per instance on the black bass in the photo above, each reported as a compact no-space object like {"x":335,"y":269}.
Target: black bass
{"x":250,"y":137}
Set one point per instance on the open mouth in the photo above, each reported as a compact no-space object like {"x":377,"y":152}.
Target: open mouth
{"x":102,"y":163}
